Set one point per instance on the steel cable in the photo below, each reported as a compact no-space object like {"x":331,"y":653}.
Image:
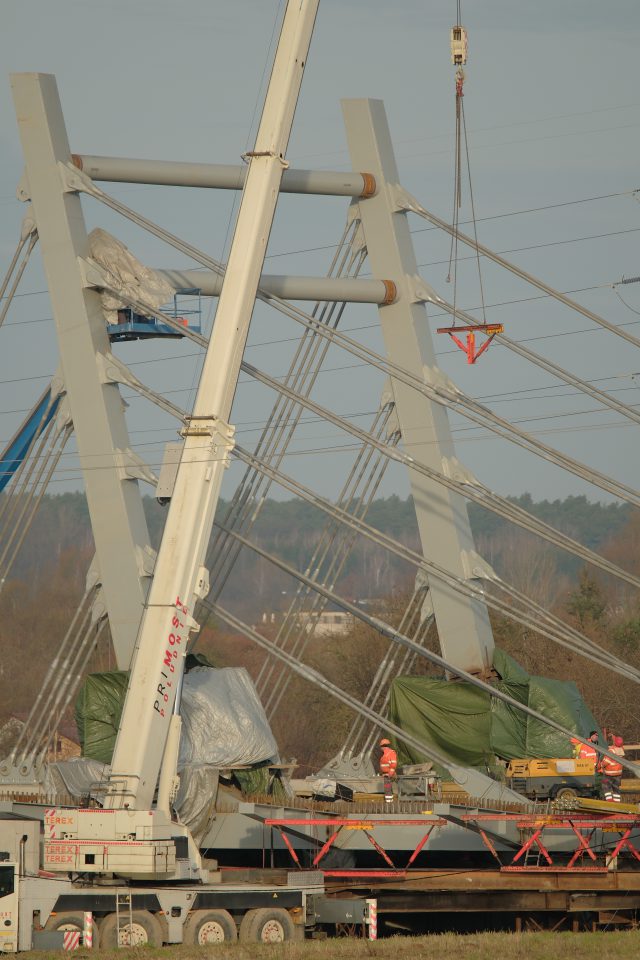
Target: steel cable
{"x":564,"y":634}
{"x":18,"y":500}
{"x":32,"y":731}
{"x":280,"y":428}
{"x":468,"y":409}
{"x":25,"y":522}
{"x":387,"y":631}
{"x":266,"y":672}
{"x":472,"y":491}
{"x":388,"y":668}
{"x":453,"y":398}
{"x":337,"y":546}
{"x":14,"y":286}
{"x":409,"y":203}
{"x":76,"y":672}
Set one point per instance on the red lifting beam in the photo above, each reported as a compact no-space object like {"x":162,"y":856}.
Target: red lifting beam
{"x":469,"y":347}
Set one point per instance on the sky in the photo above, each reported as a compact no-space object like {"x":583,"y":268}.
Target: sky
{"x":553,"y":121}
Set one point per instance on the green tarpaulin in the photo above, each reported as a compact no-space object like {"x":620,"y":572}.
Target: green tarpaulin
{"x":474,"y":729}
{"x":99,"y":708}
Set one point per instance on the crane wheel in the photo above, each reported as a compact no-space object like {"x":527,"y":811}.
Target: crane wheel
{"x":143,"y":929}
{"x":267,"y":925}
{"x":204,"y":927}
{"x":71,"y":920}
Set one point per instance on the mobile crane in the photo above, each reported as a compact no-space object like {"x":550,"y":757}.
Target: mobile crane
{"x":91,"y":856}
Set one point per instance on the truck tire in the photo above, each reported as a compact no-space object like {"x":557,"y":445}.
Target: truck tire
{"x":204,"y":927}
{"x":144,"y":930}
{"x":72,"y":920}
{"x":267,"y":925}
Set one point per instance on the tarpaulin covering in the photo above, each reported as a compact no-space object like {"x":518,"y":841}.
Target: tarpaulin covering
{"x":473,"y":728}
{"x":98,"y":711}
{"x":196,"y":800}
{"x":260,"y":780}
{"x":223,"y":721}
{"x":455,"y":718}
{"x":125,"y":274}
{"x":223,"y":726}
{"x":81,"y":777}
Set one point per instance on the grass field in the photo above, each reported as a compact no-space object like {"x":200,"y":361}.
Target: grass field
{"x":448,"y":946}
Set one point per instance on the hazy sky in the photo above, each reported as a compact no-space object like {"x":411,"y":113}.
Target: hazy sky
{"x":553,"y":116}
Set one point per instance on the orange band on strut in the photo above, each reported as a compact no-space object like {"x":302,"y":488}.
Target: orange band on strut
{"x":390,"y":292}
{"x":369,"y":186}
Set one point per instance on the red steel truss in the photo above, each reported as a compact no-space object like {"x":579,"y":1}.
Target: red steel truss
{"x":587,"y":829}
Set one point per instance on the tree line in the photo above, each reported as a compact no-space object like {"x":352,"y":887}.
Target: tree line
{"x":38,"y":601}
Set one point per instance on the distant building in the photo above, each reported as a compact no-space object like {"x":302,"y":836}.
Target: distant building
{"x":328,"y":623}
{"x":325,"y":623}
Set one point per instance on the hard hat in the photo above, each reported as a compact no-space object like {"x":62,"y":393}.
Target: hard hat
{"x":384,"y":742}
{"x":618,"y":741}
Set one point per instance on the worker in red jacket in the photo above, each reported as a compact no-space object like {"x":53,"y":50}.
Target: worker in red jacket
{"x":611,"y":771}
{"x":387,"y":765}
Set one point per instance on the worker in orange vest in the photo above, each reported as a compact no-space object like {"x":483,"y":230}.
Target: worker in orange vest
{"x":387,"y":765}
{"x":611,"y":771}
{"x":584,"y":751}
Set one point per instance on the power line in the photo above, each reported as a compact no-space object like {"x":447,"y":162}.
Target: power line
{"x":368,"y":326}
{"x":507,"y":143}
{"x":502,"y":126}
{"x":252,"y":426}
{"x":506,"y":396}
{"x":541,"y":246}
{"x":11,"y":198}
{"x":496,"y":216}
{"x":350,"y":448}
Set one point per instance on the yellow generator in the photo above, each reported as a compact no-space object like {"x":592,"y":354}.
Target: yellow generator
{"x":553,"y":779}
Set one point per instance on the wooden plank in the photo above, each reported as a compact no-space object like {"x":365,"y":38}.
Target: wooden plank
{"x":443,"y":881}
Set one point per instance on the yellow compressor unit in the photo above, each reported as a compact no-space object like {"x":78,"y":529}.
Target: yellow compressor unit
{"x":553,"y":779}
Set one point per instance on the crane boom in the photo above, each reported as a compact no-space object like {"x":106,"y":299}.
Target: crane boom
{"x":179,"y":577}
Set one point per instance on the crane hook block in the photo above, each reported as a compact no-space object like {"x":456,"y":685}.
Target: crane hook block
{"x":459,"y":45}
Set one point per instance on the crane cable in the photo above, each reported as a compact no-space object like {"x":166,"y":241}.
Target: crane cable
{"x":459,"y":57}
{"x":457,"y":176}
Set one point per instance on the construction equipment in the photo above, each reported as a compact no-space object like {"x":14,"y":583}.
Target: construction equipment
{"x":137,"y":838}
{"x":555,"y":779}
{"x":135,"y":835}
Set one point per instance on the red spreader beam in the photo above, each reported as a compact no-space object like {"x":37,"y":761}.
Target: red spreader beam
{"x":469,"y":344}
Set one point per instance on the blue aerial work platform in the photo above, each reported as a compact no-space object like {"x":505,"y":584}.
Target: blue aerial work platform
{"x":137,"y":326}
{"x":16,"y":450}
